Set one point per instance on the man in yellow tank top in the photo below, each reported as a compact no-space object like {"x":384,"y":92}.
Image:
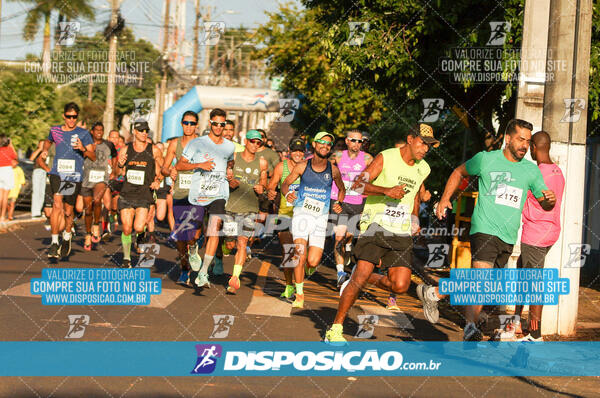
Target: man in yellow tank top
{"x":391,"y":183}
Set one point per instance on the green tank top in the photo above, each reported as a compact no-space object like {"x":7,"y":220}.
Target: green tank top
{"x":392,"y":214}
{"x":184,"y":178}
{"x":286,"y":209}
{"x":243,"y":199}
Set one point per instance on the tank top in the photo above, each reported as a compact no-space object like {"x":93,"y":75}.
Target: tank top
{"x":181,"y":189}
{"x":314,"y":192}
{"x":97,"y":171}
{"x":286,"y":209}
{"x":350,"y":169}
{"x":139,"y":173}
{"x":243,"y":199}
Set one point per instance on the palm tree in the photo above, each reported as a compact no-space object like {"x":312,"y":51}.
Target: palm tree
{"x":42,"y":10}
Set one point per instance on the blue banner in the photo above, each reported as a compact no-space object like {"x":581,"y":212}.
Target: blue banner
{"x":244,"y":358}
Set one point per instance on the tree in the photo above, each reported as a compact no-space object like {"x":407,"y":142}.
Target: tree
{"x":42,"y":11}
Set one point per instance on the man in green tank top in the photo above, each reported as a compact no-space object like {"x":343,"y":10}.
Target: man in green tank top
{"x":391,"y":183}
{"x":249,"y":180}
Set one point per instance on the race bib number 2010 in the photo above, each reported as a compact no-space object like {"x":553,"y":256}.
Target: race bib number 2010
{"x":313,"y":206}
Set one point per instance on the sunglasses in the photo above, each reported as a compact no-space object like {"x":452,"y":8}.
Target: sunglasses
{"x":186,"y":123}
{"x":355,"y":140}
{"x":71,"y":116}
{"x":220,"y":124}
{"x":329,"y":143}
{"x":143,"y":131}
{"x":256,"y":141}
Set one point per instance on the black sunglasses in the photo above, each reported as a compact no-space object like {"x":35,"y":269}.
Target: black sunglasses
{"x":187,"y":123}
{"x":71,"y":116}
{"x":221,"y":124}
{"x":355,"y":140}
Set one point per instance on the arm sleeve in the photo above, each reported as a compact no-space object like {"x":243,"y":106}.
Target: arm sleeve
{"x":473,"y":165}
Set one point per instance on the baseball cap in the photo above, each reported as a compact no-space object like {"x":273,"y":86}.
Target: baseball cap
{"x":426,"y":133}
{"x":324,"y":134}
{"x":297,"y":144}
{"x":141,"y":125}
{"x":253,"y":135}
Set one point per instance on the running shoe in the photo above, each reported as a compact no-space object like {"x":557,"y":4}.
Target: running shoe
{"x":202,"y":280}
{"x":341,"y":278}
{"x":529,"y":337}
{"x":183,"y":278}
{"x":126,"y":263}
{"x":217,"y":268}
{"x":335,"y":334}
{"x":234,"y":283}
{"x":53,"y":251}
{"x":471,"y":333}
{"x":96,"y":237}
{"x":194,"y":259}
{"x":65,"y":248}
{"x":87,"y":244}
{"x":430,"y":306}
{"x":288,"y":293}
{"x":106,"y":235}
{"x":391,"y":305}
{"x":299,"y":301}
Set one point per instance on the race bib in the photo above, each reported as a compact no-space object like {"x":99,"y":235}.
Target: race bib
{"x":96,"y":176}
{"x":135,"y":177}
{"x":509,"y":196}
{"x":313,"y":206}
{"x":65,"y":165}
{"x":396,"y":214}
{"x":230,"y":228}
{"x":185,"y":181}
{"x":208,"y":187}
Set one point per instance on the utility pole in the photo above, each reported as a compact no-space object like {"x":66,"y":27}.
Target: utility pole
{"x":206,"y":47}
{"x":163,"y":82}
{"x":196,"y":41}
{"x":109,"y":110}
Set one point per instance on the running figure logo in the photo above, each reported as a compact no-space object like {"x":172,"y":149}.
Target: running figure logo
{"x":578,"y":254}
{"x":287,"y":109}
{"x":498,"y":180}
{"x":367,"y":326}
{"x":437,"y":254}
{"x":432,"y":109}
{"x":291,"y":257}
{"x":212,"y":33}
{"x":357,"y":33}
{"x":77,"y":324}
{"x":142,"y":107}
{"x":149,"y":253}
{"x":573,"y":109}
{"x":498,"y":33}
{"x":207,"y":358}
{"x":66,"y":188}
{"x":68,"y":31}
{"x":223,"y":324}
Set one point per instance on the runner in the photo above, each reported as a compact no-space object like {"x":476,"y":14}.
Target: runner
{"x":503,"y":179}
{"x":73,"y":144}
{"x":163,"y":200}
{"x":211,"y":159}
{"x":391,"y":182}
{"x":96,"y":175}
{"x":248,"y":183}
{"x":229,"y":132}
{"x":286,"y":211}
{"x":351,"y":163}
{"x":541,"y":229}
{"x":115,"y":184}
{"x":311,"y":208}
{"x":139,"y":162}
{"x":273,"y":160}
{"x":188,"y":217}
{"x":8,"y":156}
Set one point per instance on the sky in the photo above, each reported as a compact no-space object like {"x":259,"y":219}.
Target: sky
{"x":144,"y":16}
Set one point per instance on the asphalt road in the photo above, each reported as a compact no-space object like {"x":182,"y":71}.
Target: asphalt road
{"x":184,"y":314}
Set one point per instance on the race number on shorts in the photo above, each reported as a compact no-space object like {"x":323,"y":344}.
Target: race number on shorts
{"x":135,"y":177}
{"x":510,"y":196}
{"x":96,"y":176}
{"x":65,"y":165}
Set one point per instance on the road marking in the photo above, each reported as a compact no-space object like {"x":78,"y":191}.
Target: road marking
{"x":264,"y":304}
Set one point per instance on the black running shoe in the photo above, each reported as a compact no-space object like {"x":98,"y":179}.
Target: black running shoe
{"x":53,"y":251}
{"x":65,"y":248}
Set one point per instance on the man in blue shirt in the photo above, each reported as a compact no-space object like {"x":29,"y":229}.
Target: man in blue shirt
{"x":73,"y":144}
